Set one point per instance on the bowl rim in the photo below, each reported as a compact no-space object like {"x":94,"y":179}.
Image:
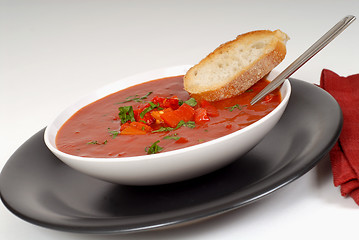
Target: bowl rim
{"x":165,"y":72}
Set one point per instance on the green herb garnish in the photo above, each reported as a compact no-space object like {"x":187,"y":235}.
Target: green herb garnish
{"x":163,"y":129}
{"x":249,"y":90}
{"x":173,"y":137}
{"x":113,"y":133}
{"x":240,"y":107}
{"x":190,"y":124}
{"x":192,"y":102}
{"x":126,"y":114}
{"x":154,"y":148}
{"x":136,"y":98}
{"x":97,"y":143}
{"x":148,"y":109}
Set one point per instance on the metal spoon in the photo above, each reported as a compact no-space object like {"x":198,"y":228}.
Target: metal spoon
{"x":314,"y":49}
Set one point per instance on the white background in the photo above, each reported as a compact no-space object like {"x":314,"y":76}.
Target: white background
{"x":53,"y":52}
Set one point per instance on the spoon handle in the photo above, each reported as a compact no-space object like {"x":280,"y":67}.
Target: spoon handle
{"x":308,"y":54}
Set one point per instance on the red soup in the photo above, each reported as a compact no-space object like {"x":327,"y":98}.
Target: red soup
{"x":157,"y":116}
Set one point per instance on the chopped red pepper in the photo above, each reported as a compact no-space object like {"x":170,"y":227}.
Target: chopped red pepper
{"x":157,"y":114}
{"x":200,"y":115}
{"x":142,"y":126}
{"x":211,"y":110}
{"x":185,"y":112}
{"x":135,"y":128}
{"x":123,"y":126}
{"x":171,"y":118}
{"x":132,"y":131}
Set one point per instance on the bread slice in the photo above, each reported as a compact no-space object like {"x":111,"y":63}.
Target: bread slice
{"x":235,"y":66}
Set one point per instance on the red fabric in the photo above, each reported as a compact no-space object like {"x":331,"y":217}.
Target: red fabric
{"x":344,"y":156}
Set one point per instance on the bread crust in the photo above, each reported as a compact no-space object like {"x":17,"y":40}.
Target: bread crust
{"x":246,"y":77}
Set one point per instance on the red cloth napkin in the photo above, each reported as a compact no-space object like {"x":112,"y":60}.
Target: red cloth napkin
{"x":344,"y":156}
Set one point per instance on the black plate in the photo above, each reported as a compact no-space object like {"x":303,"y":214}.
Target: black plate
{"x":39,"y":188}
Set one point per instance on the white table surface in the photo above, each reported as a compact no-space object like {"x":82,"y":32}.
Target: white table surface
{"x":53,"y":52}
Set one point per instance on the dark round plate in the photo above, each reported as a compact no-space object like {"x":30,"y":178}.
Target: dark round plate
{"x":40,"y":189}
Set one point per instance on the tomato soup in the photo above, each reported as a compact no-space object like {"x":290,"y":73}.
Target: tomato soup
{"x":157,"y":116}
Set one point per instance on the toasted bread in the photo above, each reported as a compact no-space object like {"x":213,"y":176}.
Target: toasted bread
{"x":235,"y":66}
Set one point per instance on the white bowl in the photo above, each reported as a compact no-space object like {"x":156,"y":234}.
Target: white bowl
{"x":166,"y":167}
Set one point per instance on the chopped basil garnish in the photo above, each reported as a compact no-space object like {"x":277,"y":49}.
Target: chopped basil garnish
{"x":163,"y":129}
{"x":249,"y":90}
{"x":192,"y":102}
{"x":240,"y":107}
{"x":148,"y":109}
{"x":126,"y":114}
{"x":97,"y":143}
{"x":174,"y":137}
{"x":113,"y":133}
{"x":154,"y":148}
{"x":190,"y":124}
{"x":136,"y":98}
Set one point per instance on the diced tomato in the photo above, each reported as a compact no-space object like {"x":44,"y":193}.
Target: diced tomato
{"x":147,"y":118}
{"x":200,"y":115}
{"x":185,"y":112}
{"x":141,"y":107}
{"x":157,"y":100}
{"x":166,"y":102}
{"x":182,"y":140}
{"x":173,"y":102}
{"x":212,"y":111}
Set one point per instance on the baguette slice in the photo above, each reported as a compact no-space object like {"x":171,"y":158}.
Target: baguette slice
{"x":235,"y":66}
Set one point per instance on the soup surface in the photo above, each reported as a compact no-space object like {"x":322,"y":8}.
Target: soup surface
{"x":157,"y":116}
